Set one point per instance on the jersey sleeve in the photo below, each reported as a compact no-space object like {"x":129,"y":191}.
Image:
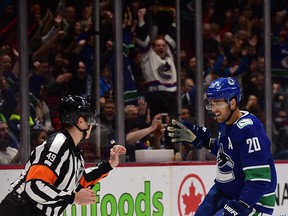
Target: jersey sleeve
{"x":142,"y":38}
{"x":92,"y":175}
{"x":170,"y":37}
{"x":255,"y":156}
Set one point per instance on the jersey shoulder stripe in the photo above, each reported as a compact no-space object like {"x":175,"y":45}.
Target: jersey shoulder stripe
{"x":244,"y":122}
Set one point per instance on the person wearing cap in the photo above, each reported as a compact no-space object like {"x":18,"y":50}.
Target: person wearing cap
{"x":246,"y":176}
{"x":55,"y":175}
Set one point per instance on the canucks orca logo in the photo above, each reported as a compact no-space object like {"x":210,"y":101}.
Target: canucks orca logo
{"x":225,"y":166}
{"x":223,"y":159}
{"x":164,"y":71}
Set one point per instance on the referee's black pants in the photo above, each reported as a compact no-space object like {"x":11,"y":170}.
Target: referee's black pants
{"x":15,"y":205}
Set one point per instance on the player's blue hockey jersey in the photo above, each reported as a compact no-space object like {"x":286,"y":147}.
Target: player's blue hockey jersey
{"x":246,"y":169}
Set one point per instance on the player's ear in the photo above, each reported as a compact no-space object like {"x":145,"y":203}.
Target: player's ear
{"x":81,"y":120}
{"x":233,"y":103}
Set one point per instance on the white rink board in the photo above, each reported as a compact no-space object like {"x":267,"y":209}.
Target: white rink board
{"x":153,"y":190}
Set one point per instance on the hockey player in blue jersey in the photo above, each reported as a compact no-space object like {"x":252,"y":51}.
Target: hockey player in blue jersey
{"x":246,"y":176}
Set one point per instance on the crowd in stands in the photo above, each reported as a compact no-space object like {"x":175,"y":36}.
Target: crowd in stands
{"x":61,"y":53}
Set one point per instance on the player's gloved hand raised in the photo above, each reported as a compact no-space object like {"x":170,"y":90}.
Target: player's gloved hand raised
{"x":234,"y":207}
{"x":199,"y":136}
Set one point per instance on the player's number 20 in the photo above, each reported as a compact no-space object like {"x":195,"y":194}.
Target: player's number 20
{"x":254,"y":144}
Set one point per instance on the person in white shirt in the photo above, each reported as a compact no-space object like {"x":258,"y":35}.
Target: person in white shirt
{"x":8,"y":154}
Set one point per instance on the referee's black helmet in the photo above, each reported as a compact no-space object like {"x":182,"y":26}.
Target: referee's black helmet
{"x":73,"y":106}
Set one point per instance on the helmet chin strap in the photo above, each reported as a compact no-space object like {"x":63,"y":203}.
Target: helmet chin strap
{"x":231,"y":113}
{"x":84,"y":131}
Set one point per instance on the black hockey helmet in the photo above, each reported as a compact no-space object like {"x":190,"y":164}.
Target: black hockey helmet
{"x":72,"y":107}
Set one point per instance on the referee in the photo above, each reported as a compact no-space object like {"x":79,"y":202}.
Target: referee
{"x":54,"y":175}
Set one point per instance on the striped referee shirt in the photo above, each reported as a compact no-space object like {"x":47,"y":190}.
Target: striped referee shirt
{"x":54,"y":172}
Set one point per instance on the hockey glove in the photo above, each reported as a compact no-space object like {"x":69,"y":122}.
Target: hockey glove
{"x":186,"y":132}
{"x":234,"y":207}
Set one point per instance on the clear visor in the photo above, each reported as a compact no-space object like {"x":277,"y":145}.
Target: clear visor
{"x":93,"y":119}
{"x":215,"y":104}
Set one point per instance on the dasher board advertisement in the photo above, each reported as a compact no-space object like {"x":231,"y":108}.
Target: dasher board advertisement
{"x":165,"y":189}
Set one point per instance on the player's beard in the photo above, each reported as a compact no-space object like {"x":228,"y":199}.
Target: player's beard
{"x":220,"y":118}
{"x":224,"y":116}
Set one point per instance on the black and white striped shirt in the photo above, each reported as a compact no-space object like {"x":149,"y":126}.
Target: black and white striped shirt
{"x":54,"y":172}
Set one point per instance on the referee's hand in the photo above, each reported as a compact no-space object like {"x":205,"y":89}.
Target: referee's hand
{"x":115,"y":153}
{"x":84,"y":197}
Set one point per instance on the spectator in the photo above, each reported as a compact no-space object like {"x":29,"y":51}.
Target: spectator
{"x":39,"y":76}
{"x":280,"y":134}
{"x":136,"y":116}
{"x":253,"y":107}
{"x":158,"y":68}
{"x":278,"y":20}
{"x":131,"y":112}
{"x":86,"y":15}
{"x":37,"y":137}
{"x":86,"y":53}
{"x":281,"y":91}
{"x":188,"y":151}
{"x":185,"y":113}
{"x":255,"y":86}
{"x":40,"y":28}
{"x":8,"y":100}
{"x":187,"y":85}
{"x":189,"y":95}
{"x":49,"y":40}
{"x":140,"y":138}
{"x":224,"y":67}
{"x":7,"y":69}
{"x":107,"y":126}
{"x":54,"y":91}
{"x":279,"y":101}
{"x":8,"y":154}
{"x":15,"y":118}
{"x":78,"y":84}
{"x":210,"y":44}
{"x":191,"y":68}
{"x":137,"y":71}
{"x":226,"y":43}
{"x":13,"y":142}
{"x":129,"y":86}
{"x":8,"y":23}
{"x":42,"y":114}
{"x":105,"y":83}
{"x":183,"y":58}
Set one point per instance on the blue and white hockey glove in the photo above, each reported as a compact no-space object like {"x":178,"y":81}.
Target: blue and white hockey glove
{"x":199,"y":136}
{"x":234,"y":207}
